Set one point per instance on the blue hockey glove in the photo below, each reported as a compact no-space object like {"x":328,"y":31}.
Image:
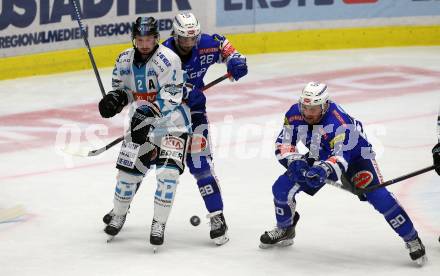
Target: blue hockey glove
{"x":316,"y":176}
{"x":436,"y":157}
{"x":297,"y":170}
{"x":196,"y":98}
{"x":237,"y":67}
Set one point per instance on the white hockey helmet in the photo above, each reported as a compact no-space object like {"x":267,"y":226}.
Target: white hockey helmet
{"x":185,"y":24}
{"x":315,"y":93}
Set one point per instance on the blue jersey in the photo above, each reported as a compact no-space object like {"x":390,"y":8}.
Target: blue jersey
{"x":209,"y":50}
{"x":338,"y":139}
{"x":338,"y":145}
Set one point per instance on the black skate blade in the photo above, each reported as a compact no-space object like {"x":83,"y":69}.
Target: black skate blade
{"x":283,"y":243}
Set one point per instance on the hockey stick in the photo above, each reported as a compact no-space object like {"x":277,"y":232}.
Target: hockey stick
{"x":85,"y":152}
{"x":216,"y":81}
{"x":75,"y":6}
{"x":396,"y":180}
{"x":346,"y":185}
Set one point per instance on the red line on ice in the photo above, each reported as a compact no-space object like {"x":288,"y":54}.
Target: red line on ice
{"x":263,"y":97}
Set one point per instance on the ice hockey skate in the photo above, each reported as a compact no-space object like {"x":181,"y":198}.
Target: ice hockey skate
{"x":417,"y":251}
{"x":114,"y":226}
{"x":157,"y":234}
{"x":279,"y":236}
{"x":219,"y":228}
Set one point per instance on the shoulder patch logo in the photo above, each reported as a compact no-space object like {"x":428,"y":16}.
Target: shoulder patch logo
{"x":362,"y":179}
{"x":339,"y":117}
{"x":295,"y":118}
{"x":338,"y":138}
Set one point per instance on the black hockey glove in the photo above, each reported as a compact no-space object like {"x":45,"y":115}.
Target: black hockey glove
{"x":436,"y":157}
{"x":141,"y":123}
{"x":112,"y":103}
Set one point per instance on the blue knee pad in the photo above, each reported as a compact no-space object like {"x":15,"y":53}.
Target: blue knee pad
{"x":384,"y":202}
{"x":284,"y":191}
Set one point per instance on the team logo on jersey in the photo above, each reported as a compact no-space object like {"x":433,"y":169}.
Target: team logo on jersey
{"x":164,"y":59}
{"x":124,"y":71}
{"x":362,"y":179}
{"x":339,"y":117}
{"x":121,"y":56}
{"x":172,"y":148}
{"x":338,"y":139}
{"x":204,"y":51}
{"x":151,"y":72}
{"x":198,"y":144}
{"x":174,"y":143}
{"x":295,"y":118}
{"x":149,"y":97}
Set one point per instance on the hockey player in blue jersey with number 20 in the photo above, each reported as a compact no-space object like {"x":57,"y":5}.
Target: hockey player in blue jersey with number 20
{"x":338,"y":150}
{"x":198,"y":51}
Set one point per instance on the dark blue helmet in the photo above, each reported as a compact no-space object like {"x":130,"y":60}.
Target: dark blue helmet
{"x":144,"y":26}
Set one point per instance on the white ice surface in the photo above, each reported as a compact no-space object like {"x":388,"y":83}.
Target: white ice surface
{"x":65,"y":198}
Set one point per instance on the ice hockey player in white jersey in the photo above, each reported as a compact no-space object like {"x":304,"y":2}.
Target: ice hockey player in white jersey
{"x":149,"y":77}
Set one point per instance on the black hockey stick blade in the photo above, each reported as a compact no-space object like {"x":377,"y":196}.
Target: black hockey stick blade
{"x":85,"y":152}
{"x":108,"y":146}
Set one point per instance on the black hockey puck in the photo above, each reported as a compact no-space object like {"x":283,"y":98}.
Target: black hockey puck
{"x":195,"y":220}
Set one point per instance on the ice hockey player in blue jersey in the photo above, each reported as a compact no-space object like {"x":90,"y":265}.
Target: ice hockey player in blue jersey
{"x":198,"y":51}
{"x":337,"y":150}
